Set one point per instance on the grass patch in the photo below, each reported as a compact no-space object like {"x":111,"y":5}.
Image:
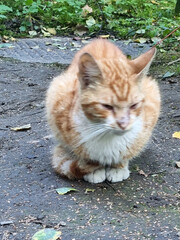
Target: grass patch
{"x":123,"y":19}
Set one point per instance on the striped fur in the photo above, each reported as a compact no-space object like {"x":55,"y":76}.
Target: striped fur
{"x":102,"y":111}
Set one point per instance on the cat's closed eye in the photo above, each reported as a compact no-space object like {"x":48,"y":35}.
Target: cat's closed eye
{"x":107,"y":106}
{"x":134,"y":106}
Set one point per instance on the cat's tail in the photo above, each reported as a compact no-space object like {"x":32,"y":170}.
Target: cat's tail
{"x":71,"y":168}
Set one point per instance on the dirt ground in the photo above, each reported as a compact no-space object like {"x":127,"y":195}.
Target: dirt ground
{"x":145,"y":206}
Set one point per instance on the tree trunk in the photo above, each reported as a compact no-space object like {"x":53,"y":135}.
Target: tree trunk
{"x":177,"y":8}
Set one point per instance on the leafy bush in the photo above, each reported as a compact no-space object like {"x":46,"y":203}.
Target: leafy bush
{"x":123,"y":18}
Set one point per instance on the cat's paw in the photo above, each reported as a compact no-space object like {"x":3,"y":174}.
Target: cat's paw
{"x":117,"y":174}
{"x":97,"y":176}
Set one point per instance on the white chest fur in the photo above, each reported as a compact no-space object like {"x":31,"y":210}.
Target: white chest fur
{"x":101,"y":143}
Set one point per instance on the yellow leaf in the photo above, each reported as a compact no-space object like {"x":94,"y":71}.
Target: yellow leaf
{"x":154,"y":2}
{"x":176,"y":135}
{"x":140,"y":40}
{"x":21,"y":128}
{"x":51,"y":31}
{"x":89,"y":190}
{"x":104,"y":36}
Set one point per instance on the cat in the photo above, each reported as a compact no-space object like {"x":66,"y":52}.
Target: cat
{"x":102,"y":111}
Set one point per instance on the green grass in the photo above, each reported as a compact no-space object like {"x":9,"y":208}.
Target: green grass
{"x":123,"y":19}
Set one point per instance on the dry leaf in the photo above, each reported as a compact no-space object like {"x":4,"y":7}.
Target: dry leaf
{"x":90,"y":22}
{"x":178,"y":164}
{"x":176,"y":135}
{"x":32,"y":33}
{"x":86,"y":9}
{"x":35,"y":47}
{"x":104,"y":36}
{"x":154,"y":2}
{"x":141,"y":31}
{"x":89,"y":190}
{"x":140,"y":40}
{"x":21,"y":128}
{"x":155,"y":39}
{"x":51,"y":31}
{"x":64,"y":190}
{"x":141,"y":172}
{"x":45,"y":33}
{"x":80,"y":30}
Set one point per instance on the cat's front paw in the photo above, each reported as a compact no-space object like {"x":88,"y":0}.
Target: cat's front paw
{"x":117,"y":174}
{"x":97,"y":176}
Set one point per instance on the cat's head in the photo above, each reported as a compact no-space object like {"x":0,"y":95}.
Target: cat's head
{"x":111,"y":89}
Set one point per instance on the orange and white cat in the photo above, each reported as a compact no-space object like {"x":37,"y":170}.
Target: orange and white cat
{"x":102,"y":111}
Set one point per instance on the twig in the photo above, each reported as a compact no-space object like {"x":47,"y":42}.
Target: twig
{"x":110,"y":185}
{"x":177,"y":60}
{"x":166,"y":37}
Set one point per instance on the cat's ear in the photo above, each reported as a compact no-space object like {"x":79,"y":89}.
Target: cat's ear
{"x":142,"y":63}
{"x":89,"y":72}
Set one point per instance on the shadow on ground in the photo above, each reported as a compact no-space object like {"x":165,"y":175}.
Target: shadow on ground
{"x":146,"y":206}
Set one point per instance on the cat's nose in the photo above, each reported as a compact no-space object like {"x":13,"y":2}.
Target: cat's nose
{"x":123,"y":122}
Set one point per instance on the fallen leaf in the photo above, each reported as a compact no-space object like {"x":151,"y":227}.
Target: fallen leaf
{"x":127,"y":41}
{"x":154,"y":2}
{"x":85,"y":41}
{"x":76,"y":44}
{"x":141,"y":172}
{"x":89,"y":190}
{"x":104,"y":36}
{"x":178,"y":164}
{"x":21,"y":128}
{"x":90,"y":21}
{"x":6,"y":223}
{"x":155,"y":39}
{"x":45,"y":33}
{"x":64,"y":190}
{"x":35,"y":47}
{"x":168,"y":74}
{"x":141,"y":31}
{"x":13,"y":39}
{"x":86,"y":9}
{"x":162,"y":50}
{"x":46,"y":234}
{"x":77,"y":38}
{"x":6,"y":45}
{"x":32,"y":33}
{"x":176,"y":135}
{"x":140,"y":40}
{"x":51,"y":31}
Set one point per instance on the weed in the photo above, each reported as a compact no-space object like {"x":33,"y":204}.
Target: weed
{"x":122,"y":18}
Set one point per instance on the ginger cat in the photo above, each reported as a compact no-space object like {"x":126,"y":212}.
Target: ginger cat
{"x":102,"y":111}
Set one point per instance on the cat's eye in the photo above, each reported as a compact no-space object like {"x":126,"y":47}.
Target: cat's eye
{"x":134,"y":106}
{"x":107,"y":106}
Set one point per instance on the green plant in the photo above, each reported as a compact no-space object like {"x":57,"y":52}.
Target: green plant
{"x":122,"y":18}
{"x":4,"y":10}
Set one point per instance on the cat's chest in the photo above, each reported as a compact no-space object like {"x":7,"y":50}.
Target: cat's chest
{"x":106,"y":147}
{"x":109,"y":149}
